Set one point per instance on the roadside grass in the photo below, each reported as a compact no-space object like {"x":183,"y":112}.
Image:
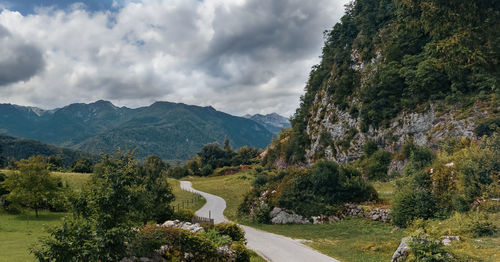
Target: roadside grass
{"x":20,"y":232}
{"x":355,"y":239}
{"x":191,"y":201}
{"x":232,"y":188}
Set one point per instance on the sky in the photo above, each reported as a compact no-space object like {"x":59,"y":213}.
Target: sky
{"x":239,"y":56}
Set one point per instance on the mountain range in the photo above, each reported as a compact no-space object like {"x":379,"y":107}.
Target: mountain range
{"x":272,"y":122}
{"x":173,"y":131}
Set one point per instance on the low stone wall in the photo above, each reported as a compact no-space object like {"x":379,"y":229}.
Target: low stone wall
{"x":283,"y":216}
{"x":375,"y":214}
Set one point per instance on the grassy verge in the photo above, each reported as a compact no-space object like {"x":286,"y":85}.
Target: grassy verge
{"x":191,"y":201}
{"x":19,"y":232}
{"x":232,"y":188}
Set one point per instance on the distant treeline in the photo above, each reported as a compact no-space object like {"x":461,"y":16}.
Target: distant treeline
{"x":13,"y":149}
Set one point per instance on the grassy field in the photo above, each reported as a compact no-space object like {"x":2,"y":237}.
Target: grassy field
{"x":355,"y":239}
{"x":19,"y":232}
{"x":232,"y":188}
{"x":191,"y":201}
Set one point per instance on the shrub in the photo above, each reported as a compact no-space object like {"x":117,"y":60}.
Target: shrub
{"x":423,"y":248}
{"x":151,"y":237}
{"x":242,"y":253}
{"x":476,"y":224}
{"x":262,"y":214}
{"x":183,"y":215}
{"x":321,"y":189}
{"x":377,"y":164}
{"x":409,"y":205}
{"x":232,"y":230}
{"x":215,"y":237}
{"x":260,"y":180}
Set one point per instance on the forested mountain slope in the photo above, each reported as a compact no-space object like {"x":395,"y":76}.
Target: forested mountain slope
{"x":169,"y":130}
{"x":394,"y":70}
{"x":12,"y":149}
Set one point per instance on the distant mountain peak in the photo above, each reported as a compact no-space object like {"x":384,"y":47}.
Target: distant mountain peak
{"x":272,"y":122}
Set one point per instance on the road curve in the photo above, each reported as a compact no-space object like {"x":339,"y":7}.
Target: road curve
{"x":273,"y":247}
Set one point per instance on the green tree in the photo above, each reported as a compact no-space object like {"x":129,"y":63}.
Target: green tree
{"x":32,"y":186}
{"x":83,"y":165}
{"x":157,"y":193}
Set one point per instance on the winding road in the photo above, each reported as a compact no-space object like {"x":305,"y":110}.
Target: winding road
{"x":272,"y":247}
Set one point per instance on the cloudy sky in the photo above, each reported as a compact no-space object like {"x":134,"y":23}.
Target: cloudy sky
{"x":240,"y":56}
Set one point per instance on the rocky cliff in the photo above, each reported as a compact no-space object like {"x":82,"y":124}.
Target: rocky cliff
{"x":393,"y":71}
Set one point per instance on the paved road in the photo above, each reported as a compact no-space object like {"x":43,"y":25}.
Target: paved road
{"x":273,"y":247}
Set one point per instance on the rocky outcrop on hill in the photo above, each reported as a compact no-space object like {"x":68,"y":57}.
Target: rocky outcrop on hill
{"x":337,"y":135}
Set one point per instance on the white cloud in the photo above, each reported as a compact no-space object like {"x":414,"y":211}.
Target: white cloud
{"x":241,"y":57}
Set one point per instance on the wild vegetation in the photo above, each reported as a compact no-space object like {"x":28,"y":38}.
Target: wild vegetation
{"x":387,"y":56}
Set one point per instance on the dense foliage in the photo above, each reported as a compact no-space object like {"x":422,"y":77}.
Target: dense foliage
{"x":463,"y":172}
{"x":385,"y":56}
{"x":223,"y":160}
{"x":323,"y":189}
{"x":121,"y":194}
{"x":14,"y":149}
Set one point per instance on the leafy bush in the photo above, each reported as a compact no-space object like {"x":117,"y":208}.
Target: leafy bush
{"x":232,"y":230}
{"x":151,"y":237}
{"x":423,"y":248}
{"x":183,"y":215}
{"x":476,"y":224}
{"x":376,"y":166}
{"x":319,"y":190}
{"x":260,"y":180}
{"x":409,"y":205}
{"x":216,"y":238}
{"x":242,"y":253}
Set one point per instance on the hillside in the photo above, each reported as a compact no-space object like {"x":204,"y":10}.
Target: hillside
{"x":169,"y":130}
{"x":12,"y":148}
{"x":272,"y":122}
{"x":398,"y":70}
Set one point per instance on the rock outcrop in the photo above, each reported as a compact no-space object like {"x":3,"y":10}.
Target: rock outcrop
{"x":282,"y":216}
{"x":402,"y":252}
{"x":195,"y":228}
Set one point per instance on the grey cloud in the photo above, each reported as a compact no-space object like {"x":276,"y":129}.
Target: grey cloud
{"x":250,"y":56}
{"x":19,"y":61}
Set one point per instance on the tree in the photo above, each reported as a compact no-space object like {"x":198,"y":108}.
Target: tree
{"x":83,"y":165}
{"x":157,"y":192}
{"x":122,"y":194}
{"x":33,"y":185}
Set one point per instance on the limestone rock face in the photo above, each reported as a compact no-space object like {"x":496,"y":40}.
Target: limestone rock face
{"x":336,"y":134}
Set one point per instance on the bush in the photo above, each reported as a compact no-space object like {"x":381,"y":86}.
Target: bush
{"x":151,"y":237}
{"x":376,"y":166}
{"x":232,"y":230}
{"x":323,"y":188}
{"x":476,"y":224}
{"x":409,"y":205}
{"x":215,"y":237}
{"x":262,"y":214}
{"x":183,"y":215}
{"x":423,"y":248}
{"x":260,"y":180}
{"x":242,"y":253}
